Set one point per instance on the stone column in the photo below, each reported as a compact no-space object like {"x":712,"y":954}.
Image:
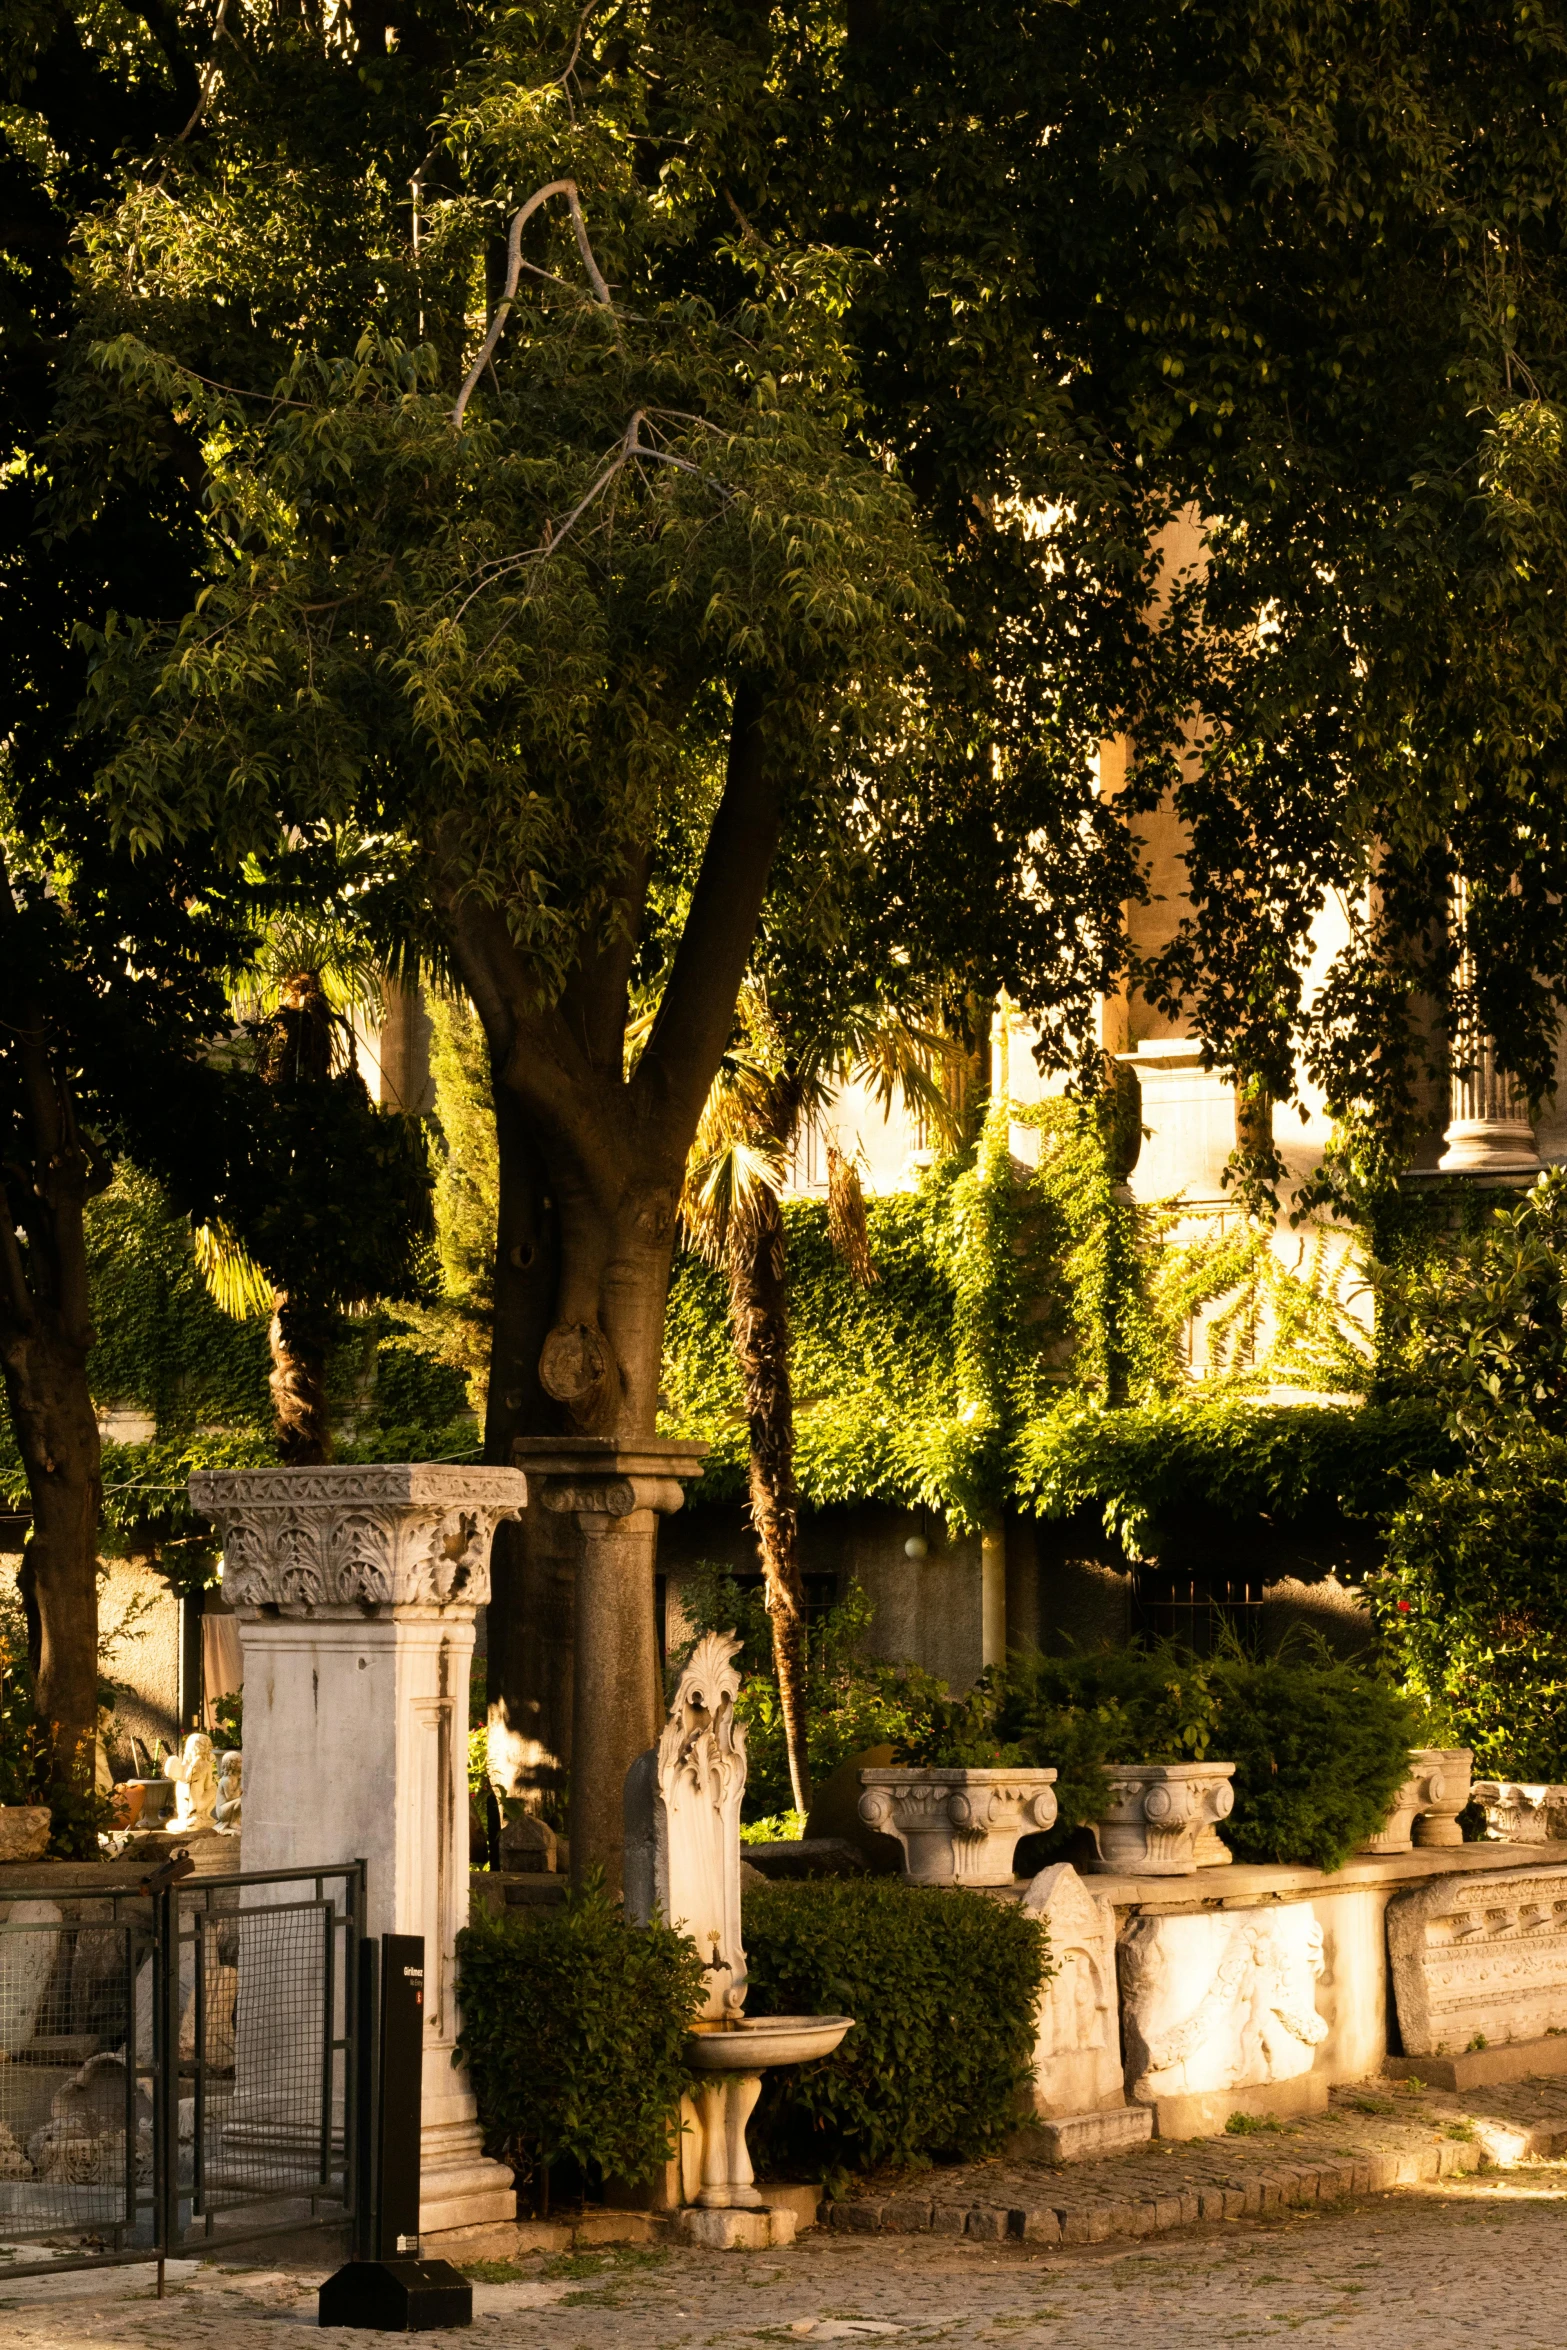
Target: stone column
{"x":355,"y":1589}
{"x":1488,"y":1129}
{"x":614,"y":1494}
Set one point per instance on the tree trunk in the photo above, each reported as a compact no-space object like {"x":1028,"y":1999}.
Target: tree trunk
{"x":591,"y":1162}
{"x":57,"y":1432}
{"x":299,"y":1335}
{"x":759,"y":1324}
{"x":297,"y":1052}
{"x":46,"y":1336}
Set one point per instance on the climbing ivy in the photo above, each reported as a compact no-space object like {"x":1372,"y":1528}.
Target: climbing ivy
{"x":1025,"y":1347}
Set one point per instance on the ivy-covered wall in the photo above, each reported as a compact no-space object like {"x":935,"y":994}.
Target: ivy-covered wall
{"x":1021,"y":1351}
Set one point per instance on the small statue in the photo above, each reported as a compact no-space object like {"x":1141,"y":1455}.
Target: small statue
{"x":230,"y":1772}
{"x":195,"y":1777}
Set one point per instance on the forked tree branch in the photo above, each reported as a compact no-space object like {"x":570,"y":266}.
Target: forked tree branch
{"x":520,"y":220}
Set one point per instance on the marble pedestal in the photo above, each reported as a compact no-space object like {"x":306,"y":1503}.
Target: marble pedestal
{"x":355,"y":1589}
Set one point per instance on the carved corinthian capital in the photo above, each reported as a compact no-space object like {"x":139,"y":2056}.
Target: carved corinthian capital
{"x":311,"y":1541}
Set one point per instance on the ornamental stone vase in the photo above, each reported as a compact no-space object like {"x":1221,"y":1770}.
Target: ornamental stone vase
{"x":1426,"y":1808}
{"x":356,"y":1588}
{"x":1158,"y":1815}
{"x":958,"y":1827}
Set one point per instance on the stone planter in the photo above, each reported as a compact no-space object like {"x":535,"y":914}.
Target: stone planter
{"x":1157,"y":1817}
{"x":1426,"y":1808}
{"x":24,"y":1831}
{"x":958,"y":1827}
{"x":1521,"y":1812}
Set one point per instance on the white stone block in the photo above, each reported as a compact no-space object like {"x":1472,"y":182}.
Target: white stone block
{"x":1080,"y":2137}
{"x":1222,"y":2001}
{"x":1077,"y":2046}
{"x":1479,"y":1957}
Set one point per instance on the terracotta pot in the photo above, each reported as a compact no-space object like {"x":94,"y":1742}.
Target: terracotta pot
{"x":958,"y":1827}
{"x":1158,"y":1813}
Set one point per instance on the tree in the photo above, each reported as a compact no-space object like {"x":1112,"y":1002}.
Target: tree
{"x":617,"y":583}
{"x":797,"y":1043}
{"x":1295,"y":272}
{"x":525,"y":602}
{"x":328,"y":1206}
{"x":114,"y":967}
{"x":107,"y":974}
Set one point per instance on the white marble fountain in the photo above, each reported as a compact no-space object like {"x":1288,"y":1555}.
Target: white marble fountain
{"x":683,"y":1863}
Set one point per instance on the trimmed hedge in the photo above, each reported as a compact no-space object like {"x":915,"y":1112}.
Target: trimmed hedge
{"x":573,"y":2029}
{"x":942,"y":1986}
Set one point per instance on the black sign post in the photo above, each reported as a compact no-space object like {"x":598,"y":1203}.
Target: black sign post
{"x":389,"y":2287}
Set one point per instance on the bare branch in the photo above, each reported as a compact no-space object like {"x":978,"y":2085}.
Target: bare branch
{"x":632,"y":446}
{"x":209,"y":78}
{"x":520,"y":220}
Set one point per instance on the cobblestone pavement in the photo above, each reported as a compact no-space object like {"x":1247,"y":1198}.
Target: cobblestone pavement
{"x":1470,"y":2263}
{"x":1375,"y":2135}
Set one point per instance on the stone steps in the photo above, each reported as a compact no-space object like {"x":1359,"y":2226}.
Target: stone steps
{"x":1376,"y":2136}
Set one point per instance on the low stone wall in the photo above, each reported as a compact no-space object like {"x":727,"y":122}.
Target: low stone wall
{"x":1255,"y":1990}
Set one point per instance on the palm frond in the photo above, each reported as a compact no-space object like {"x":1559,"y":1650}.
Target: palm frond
{"x":847,"y":1228}
{"x":235,"y":1281}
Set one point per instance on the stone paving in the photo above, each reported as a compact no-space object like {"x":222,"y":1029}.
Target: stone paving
{"x":1478,"y":2263}
{"x":1474,"y":2259}
{"x":1374,"y":2135}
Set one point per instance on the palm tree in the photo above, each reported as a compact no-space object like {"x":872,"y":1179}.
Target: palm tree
{"x":335,"y":1212}
{"x":781,"y":1074}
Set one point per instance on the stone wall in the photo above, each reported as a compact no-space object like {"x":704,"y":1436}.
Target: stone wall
{"x":1067,"y":1584}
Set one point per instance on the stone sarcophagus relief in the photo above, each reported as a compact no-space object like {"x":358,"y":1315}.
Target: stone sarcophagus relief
{"x":1077,"y":2041}
{"x":1223,"y":2001}
{"x":1479,"y":1958}
{"x":405,"y":1534}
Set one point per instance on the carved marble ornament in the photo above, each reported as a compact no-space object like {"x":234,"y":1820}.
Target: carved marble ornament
{"x":301,"y":1541}
{"x":194,"y":1771}
{"x":1223,"y":2001}
{"x":1479,"y":1955}
{"x":1521,"y":1811}
{"x":683,"y":1802}
{"x":1077,"y":2041}
{"x":1158,"y":1817}
{"x":958,"y":1827}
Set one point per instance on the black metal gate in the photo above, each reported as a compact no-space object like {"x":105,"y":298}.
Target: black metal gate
{"x":179,"y":2065}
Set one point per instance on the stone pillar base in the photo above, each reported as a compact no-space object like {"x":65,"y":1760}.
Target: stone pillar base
{"x":736,"y":2231}
{"x":459,"y":2185}
{"x":1489,"y":1146}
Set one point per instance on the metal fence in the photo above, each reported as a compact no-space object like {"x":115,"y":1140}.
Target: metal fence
{"x":179,"y":2065}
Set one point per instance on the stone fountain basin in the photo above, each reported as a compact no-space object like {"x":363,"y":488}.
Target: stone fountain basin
{"x":758,"y":2041}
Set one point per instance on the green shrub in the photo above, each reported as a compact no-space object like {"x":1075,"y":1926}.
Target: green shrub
{"x":1320,"y":1746}
{"x":1320,"y":1750}
{"x":573,"y":2028}
{"x":1472,"y":1607}
{"x":942,"y":1986}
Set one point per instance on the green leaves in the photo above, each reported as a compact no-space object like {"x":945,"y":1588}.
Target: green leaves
{"x":573,"y":2030}
{"x":942,"y":1986}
